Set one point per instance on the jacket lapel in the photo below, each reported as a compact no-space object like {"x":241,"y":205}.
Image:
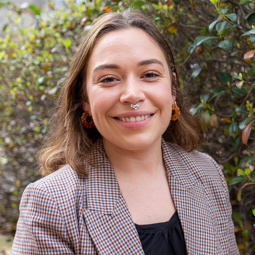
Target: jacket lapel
{"x":107,"y":217}
{"x":190,"y":200}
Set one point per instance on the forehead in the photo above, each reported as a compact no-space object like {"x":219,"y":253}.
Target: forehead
{"x":125,"y":43}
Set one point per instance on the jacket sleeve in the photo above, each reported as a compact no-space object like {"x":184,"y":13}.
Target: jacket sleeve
{"x":232,"y":240}
{"x":41,"y":228}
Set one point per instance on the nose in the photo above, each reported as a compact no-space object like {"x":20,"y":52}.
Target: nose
{"x":132,"y":91}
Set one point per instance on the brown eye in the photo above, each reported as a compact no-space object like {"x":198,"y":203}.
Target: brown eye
{"x":151,"y":75}
{"x":108,"y":79}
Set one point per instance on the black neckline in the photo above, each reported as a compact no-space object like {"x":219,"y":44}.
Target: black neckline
{"x":158,"y":226}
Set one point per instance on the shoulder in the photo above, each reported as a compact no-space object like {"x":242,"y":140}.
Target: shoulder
{"x":61,"y":178}
{"x":196,"y":166}
{"x":64,"y":185}
{"x":197,"y":157}
{"x":194,"y":155}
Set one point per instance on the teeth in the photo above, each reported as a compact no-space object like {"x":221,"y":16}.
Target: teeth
{"x":134,"y":119}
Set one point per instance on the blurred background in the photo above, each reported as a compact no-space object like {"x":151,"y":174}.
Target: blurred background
{"x":214,"y":46}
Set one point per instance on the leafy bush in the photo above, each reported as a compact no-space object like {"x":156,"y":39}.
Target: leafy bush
{"x":214,"y":45}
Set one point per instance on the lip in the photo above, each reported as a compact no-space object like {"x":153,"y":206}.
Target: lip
{"x":136,"y":124}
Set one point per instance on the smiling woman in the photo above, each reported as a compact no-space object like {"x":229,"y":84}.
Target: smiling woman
{"x":127,"y":67}
{"x":123,"y":173}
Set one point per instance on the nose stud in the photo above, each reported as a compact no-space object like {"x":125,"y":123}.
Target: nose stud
{"x":134,"y":106}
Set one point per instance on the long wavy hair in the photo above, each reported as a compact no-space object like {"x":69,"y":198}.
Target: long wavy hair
{"x":67,"y":141}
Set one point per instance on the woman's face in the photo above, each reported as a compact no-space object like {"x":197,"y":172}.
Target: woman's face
{"x":128,"y":67}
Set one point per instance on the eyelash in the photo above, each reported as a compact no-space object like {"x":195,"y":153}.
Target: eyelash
{"x":152,"y":75}
{"x":107,"y":78}
{"x":149,"y":75}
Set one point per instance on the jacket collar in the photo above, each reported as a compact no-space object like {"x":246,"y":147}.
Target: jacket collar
{"x":102,"y":188}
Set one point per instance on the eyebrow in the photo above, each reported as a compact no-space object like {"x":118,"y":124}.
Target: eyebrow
{"x":142,"y":63}
{"x":150,"y":61}
{"x":106,"y":66}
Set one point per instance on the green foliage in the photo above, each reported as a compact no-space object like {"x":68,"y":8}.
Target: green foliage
{"x":214,"y":46}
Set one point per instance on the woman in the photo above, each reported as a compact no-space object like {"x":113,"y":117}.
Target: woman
{"x":123,"y":176}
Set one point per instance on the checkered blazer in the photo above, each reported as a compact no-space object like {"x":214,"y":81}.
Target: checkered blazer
{"x":66,"y":213}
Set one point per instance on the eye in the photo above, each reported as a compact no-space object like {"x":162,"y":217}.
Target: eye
{"x":108,"y":79}
{"x":151,"y":75}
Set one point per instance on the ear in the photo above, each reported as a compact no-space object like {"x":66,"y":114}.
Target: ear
{"x":86,"y":107}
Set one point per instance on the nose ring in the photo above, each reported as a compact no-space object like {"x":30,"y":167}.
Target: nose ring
{"x":134,"y":106}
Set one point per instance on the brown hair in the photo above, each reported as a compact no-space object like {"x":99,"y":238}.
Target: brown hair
{"x":68,"y":142}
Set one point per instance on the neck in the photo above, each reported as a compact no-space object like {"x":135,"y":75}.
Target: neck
{"x":135,"y":162}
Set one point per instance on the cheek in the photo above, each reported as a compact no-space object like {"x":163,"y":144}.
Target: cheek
{"x":100,"y":102}
{"x":164,"y":94}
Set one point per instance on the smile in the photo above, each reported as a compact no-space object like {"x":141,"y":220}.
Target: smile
{"x":134,"y":119}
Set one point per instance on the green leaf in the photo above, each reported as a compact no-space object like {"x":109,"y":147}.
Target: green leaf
{"x":233,"y":127}
{"x":215,"y":2}
{"x":200,"y":39}
{"x":5,"y":26}
{"x":237,"y":218}
{"x":236,"y":180}
{"x":253,"y":211}
{"x":251,"y":18}
{"x":239,"y":91}
{"x":35,"y":10}
{"x":225,"y":77}
{"x":223,"y":27}
{"x":176,"y":1}
{"x":15,"y":192}
{"x":247,"y":171}
{"x":237,"y":77}
{"x":241,"y":172}
{"x":241,"y":110}
{"x":223,"y":10}
{"x":191,"y":48}
{"x":233,"y":53}
{"x":137,"y":4}
{"x":246,"y":2}
{"x":218,"y":89}
{"x":211,"y":26}
{"x":252,"y":71}
{"x":250,"y":32}
{"x":205,"y":97}
{"x":226,"y":44}
{"x":196,"y":72}
{"x":252,"y":38}
{"x":156,"y":7}
{"x":253,"y":172}
{"x":194,"y":110}
{"x":67,"y":42}
{"x":244,"y":123}
{"x":232,"y":17}
{"x":239,"y":195}
{"x":203,"y":31}
{"x":14,"y":205}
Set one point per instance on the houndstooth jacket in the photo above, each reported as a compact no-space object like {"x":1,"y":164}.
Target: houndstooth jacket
{"x":67,"y":213}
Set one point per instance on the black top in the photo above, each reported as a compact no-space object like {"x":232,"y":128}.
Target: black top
{"x":164,"y":238}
